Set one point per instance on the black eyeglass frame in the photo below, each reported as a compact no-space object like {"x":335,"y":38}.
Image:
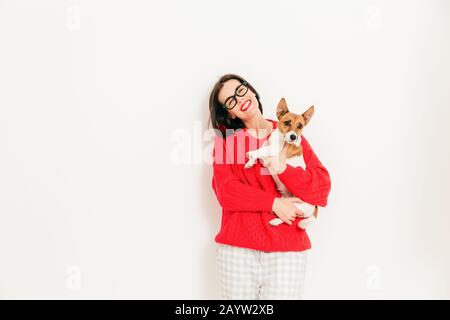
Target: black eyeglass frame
{"x":233,"y":97}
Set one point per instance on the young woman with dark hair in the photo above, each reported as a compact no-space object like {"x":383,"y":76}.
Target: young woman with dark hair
{"x":256,"y":260}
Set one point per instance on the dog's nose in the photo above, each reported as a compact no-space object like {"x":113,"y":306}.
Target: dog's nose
{"x":293,"y":137}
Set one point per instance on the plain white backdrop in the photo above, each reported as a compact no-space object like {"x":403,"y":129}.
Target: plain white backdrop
{"x":105,"y":187}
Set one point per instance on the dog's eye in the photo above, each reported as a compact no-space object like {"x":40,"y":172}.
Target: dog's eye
{"x":299,"y":126}
{"x":287,"y":123}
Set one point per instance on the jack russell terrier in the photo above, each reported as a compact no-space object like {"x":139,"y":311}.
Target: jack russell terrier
{"x":290,"y":127}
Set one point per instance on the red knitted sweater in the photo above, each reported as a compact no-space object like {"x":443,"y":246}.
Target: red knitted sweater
{"x":246,"y":196}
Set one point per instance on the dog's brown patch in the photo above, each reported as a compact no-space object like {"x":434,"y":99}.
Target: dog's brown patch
{"x":293,"y":150}
{"x":316,"y":212}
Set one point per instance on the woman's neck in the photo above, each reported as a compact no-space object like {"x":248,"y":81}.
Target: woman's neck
{"x":258,"y":123}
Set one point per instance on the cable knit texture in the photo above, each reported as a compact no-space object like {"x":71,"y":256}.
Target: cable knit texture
{"x":246,"y":196}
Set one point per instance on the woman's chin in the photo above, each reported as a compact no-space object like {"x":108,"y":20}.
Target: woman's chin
{"x":250,"y":113}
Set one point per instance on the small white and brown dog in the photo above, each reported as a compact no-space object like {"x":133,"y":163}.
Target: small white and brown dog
{"x":288,"y":134}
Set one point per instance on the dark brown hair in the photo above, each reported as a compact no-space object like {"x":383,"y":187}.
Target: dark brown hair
{"x":219,"y":117}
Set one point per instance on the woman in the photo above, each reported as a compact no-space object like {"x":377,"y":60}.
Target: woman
{"x":256,"y":260}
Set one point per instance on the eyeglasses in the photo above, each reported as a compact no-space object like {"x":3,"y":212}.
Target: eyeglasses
{"x":231,"y":101}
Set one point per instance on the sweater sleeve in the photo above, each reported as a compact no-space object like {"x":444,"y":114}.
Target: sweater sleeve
{"x":234,"y":195}
{"x":312,"y":184}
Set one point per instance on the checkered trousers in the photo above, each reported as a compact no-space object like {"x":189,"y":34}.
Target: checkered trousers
{"x":252,"y":274}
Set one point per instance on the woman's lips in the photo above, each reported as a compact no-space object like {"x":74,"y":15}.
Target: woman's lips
{"x":246,"y":105}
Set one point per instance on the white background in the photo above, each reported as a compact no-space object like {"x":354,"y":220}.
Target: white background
{"x":105,"y":189}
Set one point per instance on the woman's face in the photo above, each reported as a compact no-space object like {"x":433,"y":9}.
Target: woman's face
{"x":246,"y":106}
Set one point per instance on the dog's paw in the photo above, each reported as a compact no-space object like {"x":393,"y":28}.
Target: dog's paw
{"x":276,"y":222}
{"x":249,"y":164}
{"x":305,"y":223}
{"x":250,"y":155}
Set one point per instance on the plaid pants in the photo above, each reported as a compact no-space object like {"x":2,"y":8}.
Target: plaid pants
{"x":252,"y":274}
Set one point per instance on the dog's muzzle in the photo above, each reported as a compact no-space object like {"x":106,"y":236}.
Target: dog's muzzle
{"x":291,"y":137}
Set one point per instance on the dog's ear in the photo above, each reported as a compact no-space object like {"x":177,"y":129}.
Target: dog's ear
{"x":282,"y":108}
{"x":307,"y":115}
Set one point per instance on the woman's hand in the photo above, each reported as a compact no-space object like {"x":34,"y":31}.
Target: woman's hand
{"x":285,"y":209}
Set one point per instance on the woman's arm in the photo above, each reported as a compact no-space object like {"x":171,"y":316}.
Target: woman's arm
{"x":234,"y":195}
{"x":230,"y":191}
{"x":311,"y":184}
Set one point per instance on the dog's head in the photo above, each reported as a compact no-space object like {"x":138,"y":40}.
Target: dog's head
{"x":290,"y":124}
